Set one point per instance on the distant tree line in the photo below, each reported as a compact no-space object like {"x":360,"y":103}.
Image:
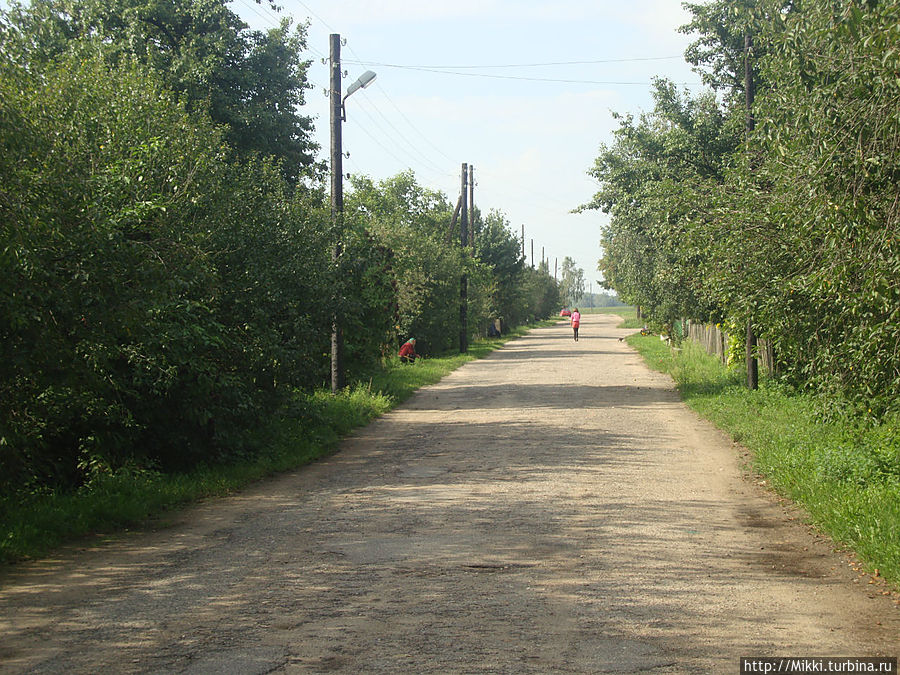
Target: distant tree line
{"x":784,"y":215}
{"x":165,"y":238}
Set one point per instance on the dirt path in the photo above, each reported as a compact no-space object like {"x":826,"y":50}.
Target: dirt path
{"x":551,"y":509}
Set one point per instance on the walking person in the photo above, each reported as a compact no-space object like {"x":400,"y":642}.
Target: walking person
{"x":576,"y":320}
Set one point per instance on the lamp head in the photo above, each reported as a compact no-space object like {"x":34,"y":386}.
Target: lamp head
{"x":364,"y":81}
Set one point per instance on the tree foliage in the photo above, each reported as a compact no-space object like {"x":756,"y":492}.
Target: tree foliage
{"x":166,"y":285}
{"x":829,"y":135}
{"x":499,"y":250}
{"x":412,"y":222}
{"x":252,"y":82}
{"x":793,"y":228}
{"x":571,"y":281}
{"x":656,"y":179}
{"x":149,"y":313}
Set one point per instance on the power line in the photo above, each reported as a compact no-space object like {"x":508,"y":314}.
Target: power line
{"x":321,"y":20}
{"x":397,"y":147}
{"x":274,"y":21}
{"x":411,"y":125}
{"x":387,"y":150}
{"x":436,"y":170}
{"x":520,"y":65}
{"x":395,"y":141}
{"x":415,"y":149}
{"x":520,"y":77}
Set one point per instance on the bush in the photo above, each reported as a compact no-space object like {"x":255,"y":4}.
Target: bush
{"x":157,"y":301}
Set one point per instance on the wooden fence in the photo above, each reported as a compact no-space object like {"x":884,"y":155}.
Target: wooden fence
{"x":715,"y":341}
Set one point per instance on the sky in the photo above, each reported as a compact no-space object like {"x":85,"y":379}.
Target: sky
{"x":523,"y":90}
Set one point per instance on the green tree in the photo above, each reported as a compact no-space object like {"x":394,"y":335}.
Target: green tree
{"x":791,"y":227}
{"x":827,"y":135}
{"x":412,"y":223}
{"x":105,"y":179}
{"x":542,"y":298}
{"x":720,"y":27}
{"x":658,"y":182}
{"x":571,"y":285}
{"x":253,"y":82}
{"x":499,"y":250}
{"x":156,"y":301}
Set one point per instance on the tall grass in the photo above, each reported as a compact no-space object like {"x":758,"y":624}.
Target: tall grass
{"x":32,"y":526}
{"x":844,"y":472}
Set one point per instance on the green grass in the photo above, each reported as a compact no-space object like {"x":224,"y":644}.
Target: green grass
{"x":625,"y":312}
{"x":628,"y":314}
{"x":844,"y":473}
{"x":33,"y":526}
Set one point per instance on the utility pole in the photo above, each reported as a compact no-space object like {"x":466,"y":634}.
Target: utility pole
{"x":471,"y":242}
{"x":464,"y":282}
{"x":523,"y":242}
{"x":532,"y":254}
{"x":751,"y":345}
{"x":337,"y":213}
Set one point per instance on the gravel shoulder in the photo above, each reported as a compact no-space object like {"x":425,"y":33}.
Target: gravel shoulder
{"x":553,"y":508}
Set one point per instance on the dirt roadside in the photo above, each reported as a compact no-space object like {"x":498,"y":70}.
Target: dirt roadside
{"x":553,"y":508}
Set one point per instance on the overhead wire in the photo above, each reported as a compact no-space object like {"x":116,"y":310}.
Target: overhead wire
{"x":415,"y":149}
{"x":410,"y":123}
{"x":405,"y":145}
{"x":379,"y":133}
{"x":521,"y":65}
{"x":391,"y":147}
{"x":400,"y":143}
{"x":544,"y":205}
{"x":524,"y":78}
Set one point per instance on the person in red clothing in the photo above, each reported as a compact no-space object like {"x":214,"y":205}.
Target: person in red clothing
{"x":408,"y":351}
{"x":576,"y":320}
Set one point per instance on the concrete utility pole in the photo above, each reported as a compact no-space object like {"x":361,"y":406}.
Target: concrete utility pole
{"x":337,"y":211}
{"x":751,"y":345}
{"x":464,"y":281}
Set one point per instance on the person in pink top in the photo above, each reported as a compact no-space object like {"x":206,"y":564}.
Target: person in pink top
{"x":576,"y":319}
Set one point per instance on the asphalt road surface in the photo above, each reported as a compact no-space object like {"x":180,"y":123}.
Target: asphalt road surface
{"x":553,"y":508}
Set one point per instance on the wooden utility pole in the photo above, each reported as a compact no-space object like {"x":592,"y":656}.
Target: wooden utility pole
{"x":337,"y":212}
{"x":471,"y":242}
{"x":751,"y":345}
{"x":464,"y":282}
{"x":523,"y":242}
{"x":555,"y":265}
{"x":532,"y":253}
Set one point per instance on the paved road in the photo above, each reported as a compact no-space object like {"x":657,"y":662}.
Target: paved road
{"x":553,"y":508}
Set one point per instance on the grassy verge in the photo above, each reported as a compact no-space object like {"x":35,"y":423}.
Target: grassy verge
{"x":845,"y":474}
{"x":626,"y":312}
{"x":32,"y":527}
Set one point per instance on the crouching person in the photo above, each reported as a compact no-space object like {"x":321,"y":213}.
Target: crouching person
{"x":408,"y":351}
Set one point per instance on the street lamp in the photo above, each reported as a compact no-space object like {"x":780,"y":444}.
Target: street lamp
{"x":338,"y":115}
{"x":362,"y":82}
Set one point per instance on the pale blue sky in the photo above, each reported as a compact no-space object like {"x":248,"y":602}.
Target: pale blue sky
{"x":531,"y":140}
